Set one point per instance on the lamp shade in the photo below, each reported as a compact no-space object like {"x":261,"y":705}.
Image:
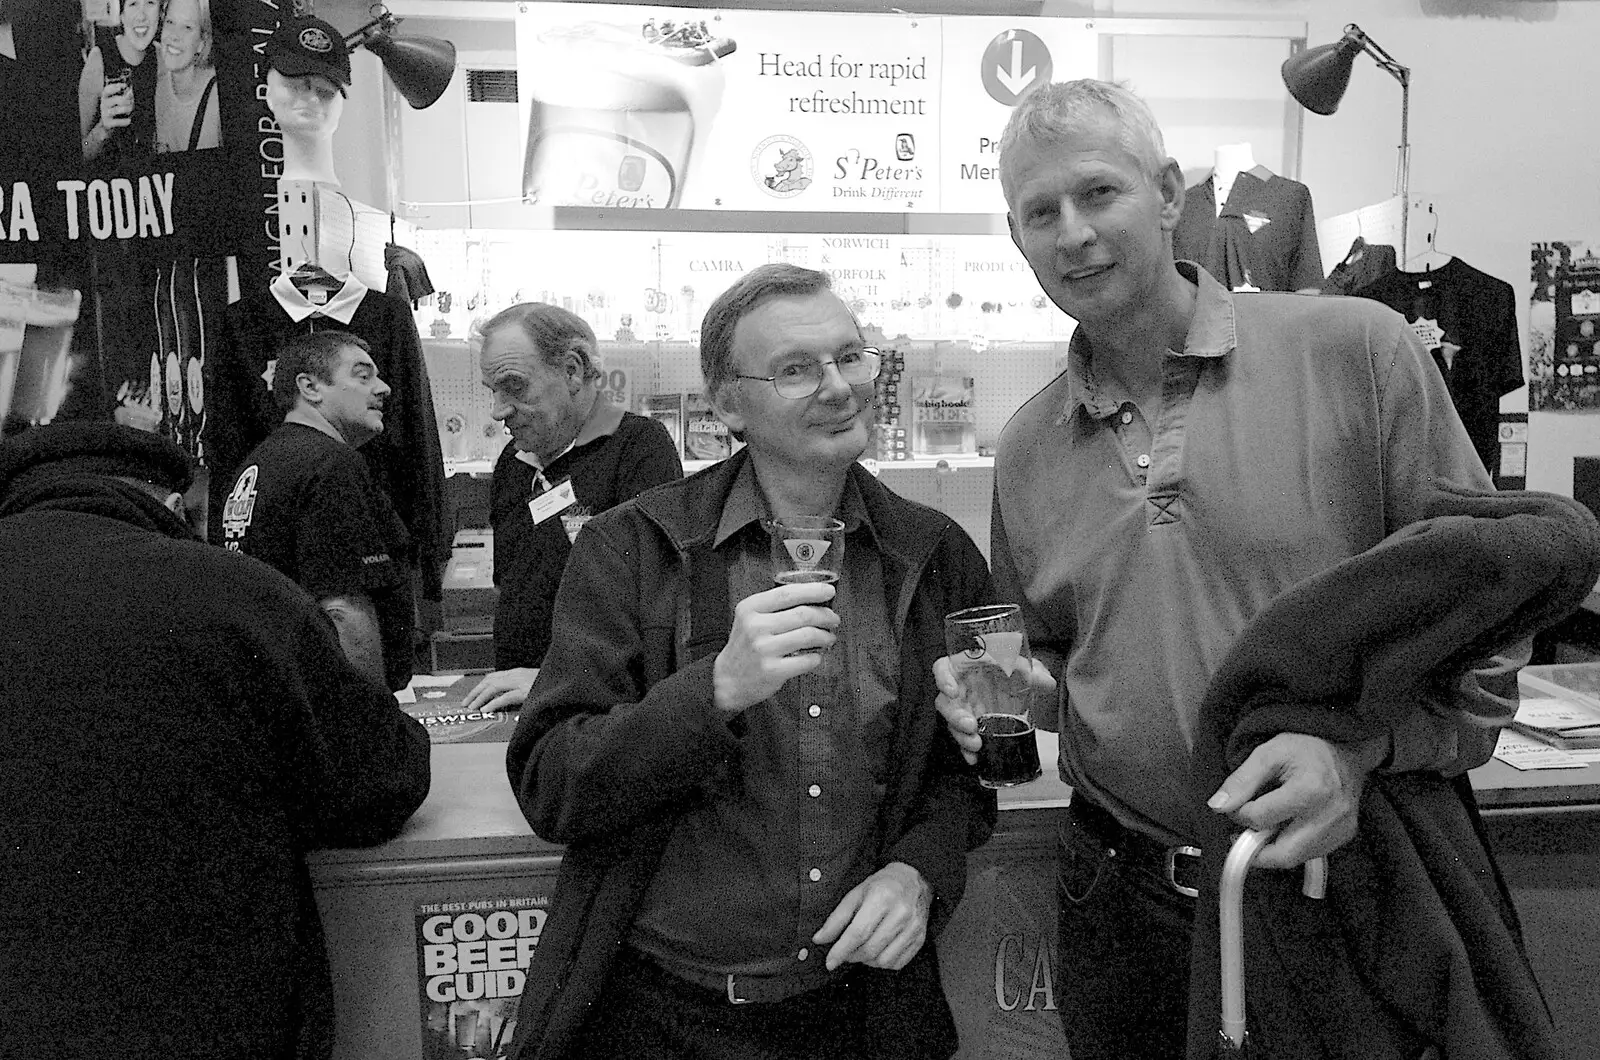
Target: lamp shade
{"x":1317,"y":77}
{"x":420,"y":67}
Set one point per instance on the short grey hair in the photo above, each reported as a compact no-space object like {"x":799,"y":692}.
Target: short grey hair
{"x":753,"y":289}
{"x":553,"y":331}
{"x":1058,"y":112}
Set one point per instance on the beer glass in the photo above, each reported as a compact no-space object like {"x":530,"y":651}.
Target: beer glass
{"x":616,"y":117}
{"x":35,"y":341}
{"x":988,"y":650}
{"x":807,"y":549}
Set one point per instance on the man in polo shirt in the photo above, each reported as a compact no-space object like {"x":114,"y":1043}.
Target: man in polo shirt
{"x":1202,"y":453}
{"x":306,"y":503}
{"x":572,"y":455}
{"x":762,"y":840}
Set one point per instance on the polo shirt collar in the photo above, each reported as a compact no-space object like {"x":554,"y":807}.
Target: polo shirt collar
{"x":1211,"y":334}
{"x":341,"y":304}
{"x":604,"y":419}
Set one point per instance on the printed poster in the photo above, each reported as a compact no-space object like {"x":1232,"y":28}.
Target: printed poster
{"x":1564,"y":327}
{"x":137,"y":157}
{"x":656,"y":107}
{"x":472,"y":960}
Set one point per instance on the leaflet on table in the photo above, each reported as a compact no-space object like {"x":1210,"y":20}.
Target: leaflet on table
{"x":1566,"y":722}
{"x":1524,"y":752}
{"x":655,"y":107}
{"x":436,"y":702}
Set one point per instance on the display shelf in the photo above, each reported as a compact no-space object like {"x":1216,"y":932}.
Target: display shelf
{"x":932,"y":463}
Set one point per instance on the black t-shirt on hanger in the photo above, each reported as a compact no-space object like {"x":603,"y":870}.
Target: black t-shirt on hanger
{"x":1468,"y":320}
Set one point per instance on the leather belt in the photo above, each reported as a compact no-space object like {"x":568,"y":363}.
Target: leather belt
{"x":1177,"y":867}
{"x":734,"y":989}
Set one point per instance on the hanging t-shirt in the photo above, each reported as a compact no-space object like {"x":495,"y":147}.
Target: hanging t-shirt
{"x":1265,"y":238}
{"x":1468,"y":320}
{"x":406,"y":460}
{"x":305,"y":504}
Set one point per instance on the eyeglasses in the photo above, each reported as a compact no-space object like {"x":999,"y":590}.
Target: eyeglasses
{"x":801,"y":379}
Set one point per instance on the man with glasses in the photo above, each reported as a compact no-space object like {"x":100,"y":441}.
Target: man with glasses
{"x":765,"y":825}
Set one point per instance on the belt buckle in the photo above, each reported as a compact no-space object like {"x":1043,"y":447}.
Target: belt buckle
{"x":733,"y":994}
{"x":1172,"y":856}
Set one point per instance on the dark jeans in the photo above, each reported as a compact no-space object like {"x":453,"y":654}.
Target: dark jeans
{"x":645,"y":1013}
{"x":1124,"y":955}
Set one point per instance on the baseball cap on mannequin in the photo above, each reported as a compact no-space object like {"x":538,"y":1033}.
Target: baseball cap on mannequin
{"x":306,"y":45}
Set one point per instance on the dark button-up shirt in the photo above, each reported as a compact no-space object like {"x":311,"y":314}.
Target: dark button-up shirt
{"x":751,"y":874}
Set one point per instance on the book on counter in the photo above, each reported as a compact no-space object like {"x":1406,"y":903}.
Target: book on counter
{"x":944,"y":419}
{"x":705,"y":437}
{"x":1561,"y":705}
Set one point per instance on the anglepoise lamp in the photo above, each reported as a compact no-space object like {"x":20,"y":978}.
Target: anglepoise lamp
{"x":420,"y":67}
{"x":1317,"y":78}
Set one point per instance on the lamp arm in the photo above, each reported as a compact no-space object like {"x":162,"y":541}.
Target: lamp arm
{"x":1385,"y":61}
{"x":1402,"y":74}
{"x":382,"y":23}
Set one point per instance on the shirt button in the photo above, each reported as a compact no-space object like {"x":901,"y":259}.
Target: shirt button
{"x":1144,"y":460}
{"x":803,"y":954}
{"x":815,"y":874}
{"x":814,"y":710}
{"x":815,"y":790}
{"x":1127,"y":417}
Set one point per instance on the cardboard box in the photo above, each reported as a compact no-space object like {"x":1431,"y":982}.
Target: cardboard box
{"x":668,"y":408}
{"x":469,"y":596}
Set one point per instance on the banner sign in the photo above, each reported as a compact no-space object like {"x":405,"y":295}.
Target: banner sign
{"x":137,"y":156}
{"x":628,"y":106}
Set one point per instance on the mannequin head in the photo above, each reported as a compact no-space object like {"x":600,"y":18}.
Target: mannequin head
{"x":309,"y":68}
{"x":307,"y":108}
{"x":305,"y":105}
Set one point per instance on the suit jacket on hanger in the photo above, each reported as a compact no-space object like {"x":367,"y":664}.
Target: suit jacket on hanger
{"x":1265,"y":238}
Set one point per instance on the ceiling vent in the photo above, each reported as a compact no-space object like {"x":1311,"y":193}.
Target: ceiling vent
{"x":491,"y":86}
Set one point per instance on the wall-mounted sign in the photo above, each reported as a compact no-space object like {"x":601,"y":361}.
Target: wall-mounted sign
{"x":628,"y":106}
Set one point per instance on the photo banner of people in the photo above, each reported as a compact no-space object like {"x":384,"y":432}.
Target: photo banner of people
{"x":654,"y":107}
{"x":148,"y":161}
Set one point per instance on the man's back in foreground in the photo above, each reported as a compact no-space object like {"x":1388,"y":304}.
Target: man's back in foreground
{"x":178,"y":727}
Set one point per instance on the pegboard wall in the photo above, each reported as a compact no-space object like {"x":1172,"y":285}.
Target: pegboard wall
{"x":320,"y":224}
{"x":1005,"y":374}
{"x":461,"y":405}
{"x":961,"y":492}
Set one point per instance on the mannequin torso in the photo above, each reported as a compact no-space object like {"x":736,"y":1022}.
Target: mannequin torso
{"x":1231,"y":160}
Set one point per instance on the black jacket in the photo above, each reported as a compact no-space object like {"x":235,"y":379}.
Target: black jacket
{"x":1417,"y":942}
{"x":614,"y":740}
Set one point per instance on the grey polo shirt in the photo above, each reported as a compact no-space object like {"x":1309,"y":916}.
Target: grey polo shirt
{"x":1292,"y":432}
